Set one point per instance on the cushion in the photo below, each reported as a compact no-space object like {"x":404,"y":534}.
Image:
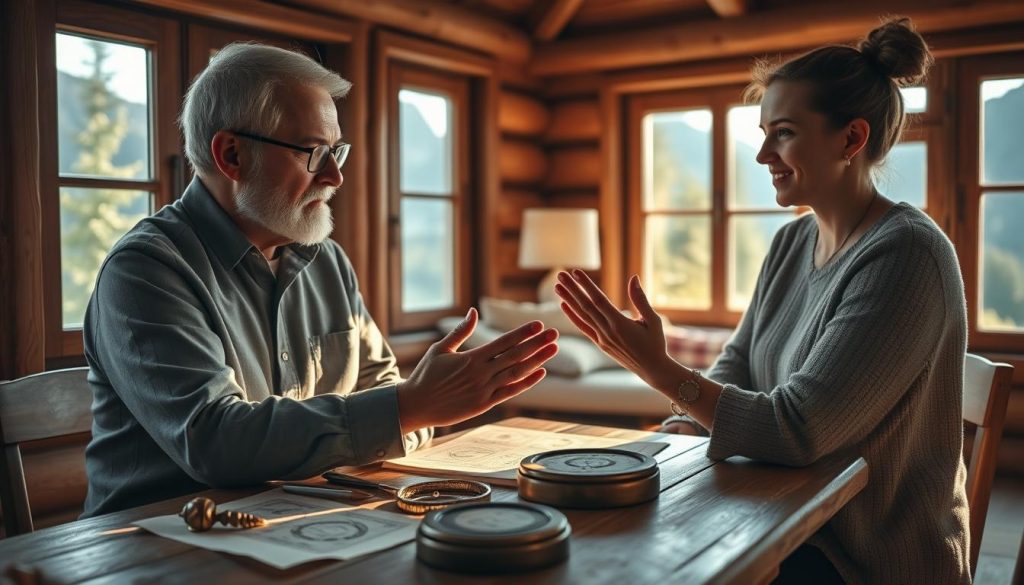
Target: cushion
{"x":576,"y":355}
{"x":695,"y":347}
{"x":506,"y":315}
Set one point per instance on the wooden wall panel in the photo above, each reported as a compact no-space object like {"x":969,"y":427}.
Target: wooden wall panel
{"x":575,"y":199}
{"x":523,"y":118}
{"x":520,"y":289}
{"x":574,"y":121}
{"x":511,"y":206}
{"x":521,"y":115}
{"x":22,"y":326}
{"x":577,"y":167}
{"x":521,"y":162}
{"x":508,"y":258}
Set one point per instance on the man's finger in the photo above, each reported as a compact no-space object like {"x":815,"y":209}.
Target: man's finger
{"x":457,"y":336}
{"x":525,"y":349}
{"x":525,"y":367}
{"x":509,"y":340}
{"x":518,"y":387}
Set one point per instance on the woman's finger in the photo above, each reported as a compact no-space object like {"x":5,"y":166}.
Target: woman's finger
{"x":642,"y":305}
{"x":581,"y":302}
{"x":597,"y":297}
{"x":578,"y":321}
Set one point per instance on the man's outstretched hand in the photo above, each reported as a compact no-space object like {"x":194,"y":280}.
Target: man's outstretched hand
{"x":450,"y":386}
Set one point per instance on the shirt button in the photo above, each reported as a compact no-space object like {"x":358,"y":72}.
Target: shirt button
{"x":284,"y":356}
{"x":381,"y":453}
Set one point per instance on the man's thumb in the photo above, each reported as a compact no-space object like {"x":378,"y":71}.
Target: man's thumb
{"x":457,"y":336}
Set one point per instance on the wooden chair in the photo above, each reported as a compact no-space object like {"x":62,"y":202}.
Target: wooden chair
{"x":986,"y":392}
{"x":40,"y":406}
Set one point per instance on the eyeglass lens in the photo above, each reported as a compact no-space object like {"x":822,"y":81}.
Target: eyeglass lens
{"x":320,"y":154}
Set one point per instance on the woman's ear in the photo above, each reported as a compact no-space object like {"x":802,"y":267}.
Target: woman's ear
{"x":224,"y":148}
{"x":857,"y":133}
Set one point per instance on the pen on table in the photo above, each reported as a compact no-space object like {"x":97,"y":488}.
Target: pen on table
{"x":325,"y":492}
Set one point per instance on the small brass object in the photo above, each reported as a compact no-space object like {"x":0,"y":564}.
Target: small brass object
{"x":201,"y":514}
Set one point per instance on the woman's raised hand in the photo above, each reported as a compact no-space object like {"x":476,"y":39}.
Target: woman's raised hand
{"x":637,"y":344}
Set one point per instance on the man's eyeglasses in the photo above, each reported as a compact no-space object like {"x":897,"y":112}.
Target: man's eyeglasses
{"x":318,"y":155}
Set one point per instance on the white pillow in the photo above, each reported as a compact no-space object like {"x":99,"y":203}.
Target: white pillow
{"x":576,"y":356}
{"x":507,"y":315}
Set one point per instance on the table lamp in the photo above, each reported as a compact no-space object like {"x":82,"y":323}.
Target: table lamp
{"x":558,"y":239}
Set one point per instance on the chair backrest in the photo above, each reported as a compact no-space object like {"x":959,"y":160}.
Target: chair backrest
{"x":40,"y":406}
{"x":986,"y":392}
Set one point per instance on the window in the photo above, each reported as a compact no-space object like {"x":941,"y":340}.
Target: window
{"x":992,"y":170}
{"x":706,"y":213}
{"x":112,"y":161}
{"x":429,"y":199}
{"x":105,"y":156}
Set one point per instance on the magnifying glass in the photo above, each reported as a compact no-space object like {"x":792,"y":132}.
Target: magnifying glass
{"x":424,"y":496}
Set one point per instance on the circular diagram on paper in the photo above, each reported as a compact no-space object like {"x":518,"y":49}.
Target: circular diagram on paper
{"x":330,"y":530}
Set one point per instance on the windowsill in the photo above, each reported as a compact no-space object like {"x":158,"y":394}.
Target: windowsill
{"x":410,"y":347}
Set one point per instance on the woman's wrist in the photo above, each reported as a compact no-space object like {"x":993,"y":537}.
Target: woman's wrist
{"x":667,"y":376}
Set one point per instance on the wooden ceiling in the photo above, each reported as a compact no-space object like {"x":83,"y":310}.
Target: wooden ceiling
{"x":548,"y":38}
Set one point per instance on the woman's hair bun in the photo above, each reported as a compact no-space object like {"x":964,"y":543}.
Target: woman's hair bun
{"x":897,"y":51}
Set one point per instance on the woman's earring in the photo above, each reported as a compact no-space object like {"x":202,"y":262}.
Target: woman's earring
{"x":847,"y":159}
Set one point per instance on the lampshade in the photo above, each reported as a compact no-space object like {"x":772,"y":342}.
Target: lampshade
{"x":554,"y":238}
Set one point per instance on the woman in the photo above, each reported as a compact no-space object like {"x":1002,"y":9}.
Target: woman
{"x":854,"y":341}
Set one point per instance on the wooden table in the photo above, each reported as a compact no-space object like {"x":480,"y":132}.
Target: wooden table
{"x":715,"y":522}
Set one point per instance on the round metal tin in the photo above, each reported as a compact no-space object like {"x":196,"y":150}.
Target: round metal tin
{"x":589,"y":478}
{"x":494,"y":537}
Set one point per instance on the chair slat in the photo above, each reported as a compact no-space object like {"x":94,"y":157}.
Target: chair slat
{"x":49,"y":404}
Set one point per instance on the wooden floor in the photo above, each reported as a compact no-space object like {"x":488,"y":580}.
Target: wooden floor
{"x":1003,"y":529}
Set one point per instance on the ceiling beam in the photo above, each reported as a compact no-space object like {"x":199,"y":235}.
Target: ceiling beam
{"x":436,"y":20}
{"x":729,"y":8}
{"x":554,"y":18}
{"x":785,"y":29}
{"x":258,"y":14}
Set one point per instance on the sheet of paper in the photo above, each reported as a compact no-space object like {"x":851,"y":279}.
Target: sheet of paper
{"x":493,"y":452}
{"x":300,"y":529}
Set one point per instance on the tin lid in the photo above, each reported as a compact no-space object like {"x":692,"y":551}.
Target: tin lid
{"x":494,"y":524}
{"x":588,"y":466}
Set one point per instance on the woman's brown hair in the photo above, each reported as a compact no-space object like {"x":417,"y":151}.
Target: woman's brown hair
{"x":861,"y":82}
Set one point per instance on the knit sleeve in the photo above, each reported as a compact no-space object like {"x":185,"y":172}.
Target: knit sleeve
{"x":877,"y":339}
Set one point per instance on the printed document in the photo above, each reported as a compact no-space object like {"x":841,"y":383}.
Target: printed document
{"x":299,"y":529}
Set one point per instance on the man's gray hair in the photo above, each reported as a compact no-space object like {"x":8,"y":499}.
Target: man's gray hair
{"x":238,"y":91}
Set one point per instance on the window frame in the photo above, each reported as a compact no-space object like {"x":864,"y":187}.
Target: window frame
{"x":485,"y":181}
{"x":719,"y":100}
{"x":457,"y":89}
{"x":161,"y":37}
{"x":971,"y":72}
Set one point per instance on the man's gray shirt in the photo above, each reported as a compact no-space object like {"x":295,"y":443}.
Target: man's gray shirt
{"x":209,"y":371}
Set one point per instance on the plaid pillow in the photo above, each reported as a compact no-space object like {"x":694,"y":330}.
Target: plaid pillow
{"x":695,"y":347}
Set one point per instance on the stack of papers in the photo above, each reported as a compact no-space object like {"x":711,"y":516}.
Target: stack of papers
{"x":492,"y":452}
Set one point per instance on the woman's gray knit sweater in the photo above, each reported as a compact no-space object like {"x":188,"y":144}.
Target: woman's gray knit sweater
{"x":863,"y":356}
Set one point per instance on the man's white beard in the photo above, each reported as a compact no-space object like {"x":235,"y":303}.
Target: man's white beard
{"x":270,"y":208}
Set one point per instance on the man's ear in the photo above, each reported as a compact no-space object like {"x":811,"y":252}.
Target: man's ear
{"x":224,"y":148}
{"x":857,"y":133}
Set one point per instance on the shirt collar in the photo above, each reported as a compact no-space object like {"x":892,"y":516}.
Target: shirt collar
{"x":220,"y":233}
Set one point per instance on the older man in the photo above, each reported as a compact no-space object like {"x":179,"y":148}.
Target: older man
{"x":227,"y":340}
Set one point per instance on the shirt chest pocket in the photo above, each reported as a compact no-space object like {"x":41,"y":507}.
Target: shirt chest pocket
{"x":335,"y":358}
